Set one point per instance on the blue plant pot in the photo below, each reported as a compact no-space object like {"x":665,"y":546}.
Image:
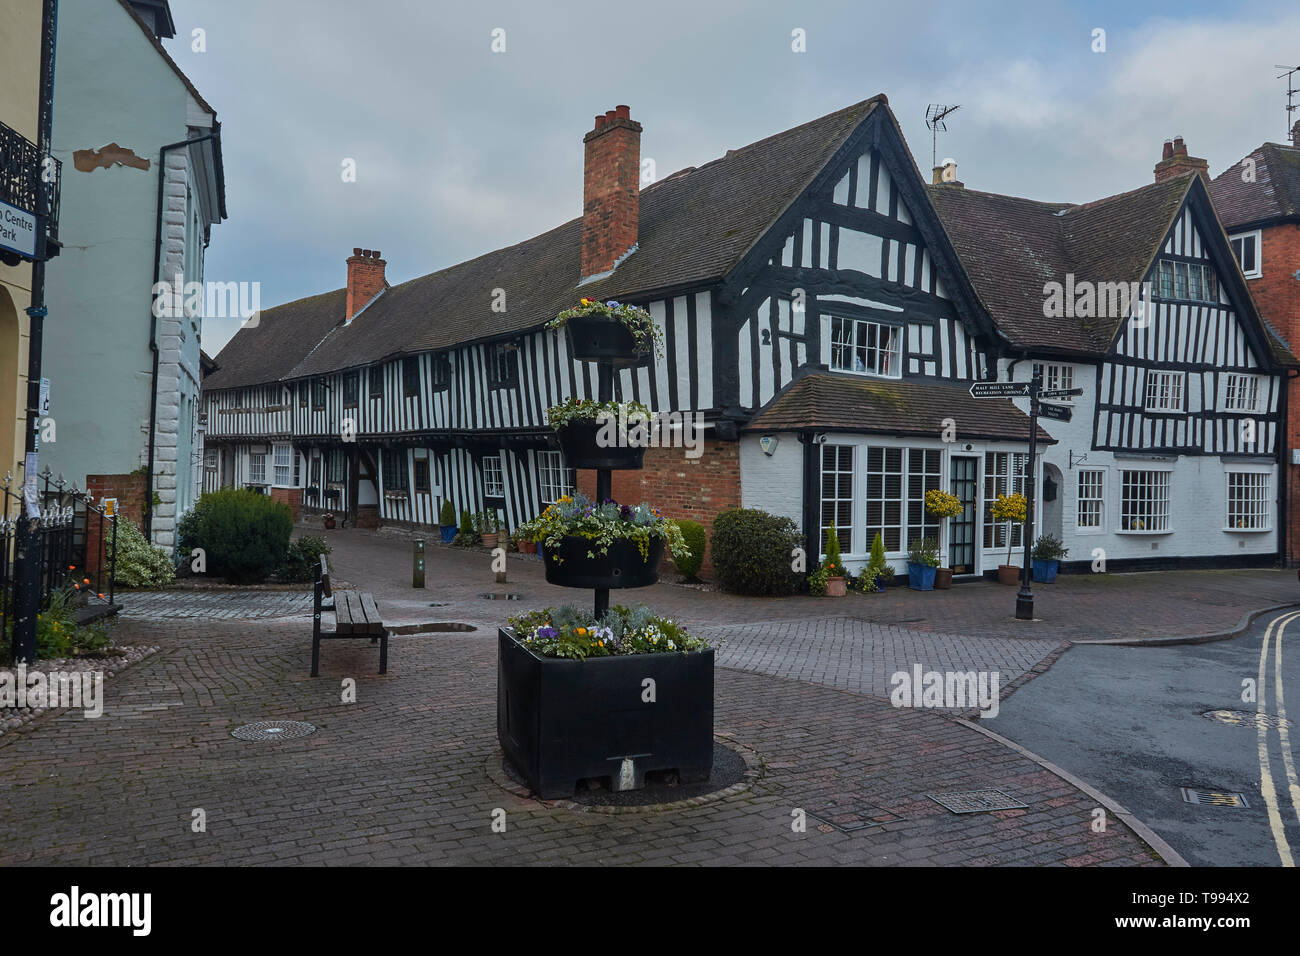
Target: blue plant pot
{"x":920,"y":577}
{"x":448,"y":533}
{"x":1045,"y":571}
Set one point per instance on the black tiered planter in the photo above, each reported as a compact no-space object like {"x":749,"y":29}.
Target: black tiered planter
{"x":595,"y":338}
{"x":621,"y":567}
{"x":561,"y":721}
{"x":578,"y":441}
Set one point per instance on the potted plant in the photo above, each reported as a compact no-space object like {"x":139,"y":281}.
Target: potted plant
{"x":467,"y":536}
{"x":610,"y":332}
{"x":606,"y":545}
{"x":943,"y":506}
{"x":595,"y":434}
{"x":525,"y":544}
{"x":882,"y":572}
{"x":561,"y":710}
{"x":1047,"y":555}
{"x":328,"y":520}
{"x":447,"y":517}
{"x":1010,"y":509}
{"x":922,"y":563}
{"x":833,"y":567}
{"x":487,"y":524}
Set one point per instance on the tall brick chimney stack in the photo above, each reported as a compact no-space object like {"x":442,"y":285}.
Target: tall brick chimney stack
{"x":611,"y":186}
{"x":1174,"y":161}
{"x":365,"y":279}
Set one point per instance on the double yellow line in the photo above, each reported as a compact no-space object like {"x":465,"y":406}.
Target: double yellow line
{"x":1265,"y":769}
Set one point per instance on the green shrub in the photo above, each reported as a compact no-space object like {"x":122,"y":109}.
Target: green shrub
{"x":467,"y":536}
{"x":303,"y":559}
{"x":881,"y":570}
{"x":753,"y":551}
{"x":696,"y":540}
{"x":140,"y":564}
{"x":57,"y":632}
{"x":244,"y":535}
{"x":448,"y":513}
{"x":833,"y":565}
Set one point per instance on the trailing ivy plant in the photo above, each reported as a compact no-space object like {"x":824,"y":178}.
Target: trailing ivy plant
{"x":587,"y":410}
{"x":603,"y":524}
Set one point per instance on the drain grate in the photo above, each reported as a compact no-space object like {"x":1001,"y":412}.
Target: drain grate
{"x":499,"y":596}
{"x":1213,"y":798}
{"x":1247,"y":718}
{"x":273,"y":730}
{"x":977,"y":801}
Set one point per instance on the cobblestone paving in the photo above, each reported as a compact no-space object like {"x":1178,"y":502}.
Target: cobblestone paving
{"x":401,"y":776}
{"x":860,"y":656}
{"x":213,"y":605}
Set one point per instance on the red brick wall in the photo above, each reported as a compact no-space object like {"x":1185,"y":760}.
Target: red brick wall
{"x":129,"y":490}
{"x":365,"y":278}
{"x":680,"y":487}
{"x":291,"y":497}
{"x":1277,"y":295}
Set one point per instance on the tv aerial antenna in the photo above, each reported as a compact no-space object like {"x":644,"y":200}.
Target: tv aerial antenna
{"x":1291,"y":91}
{"x":935,"y":114}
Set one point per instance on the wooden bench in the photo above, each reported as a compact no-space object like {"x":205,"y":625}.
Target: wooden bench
{"x":355,"y":616}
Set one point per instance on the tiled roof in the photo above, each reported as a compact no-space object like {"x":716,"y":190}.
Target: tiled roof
{"x":1011,"y":247}
{"x":694,"y":227}
{"x":1273,"y":194}
{"x":279,"y":340}
{"x":829,"y":402}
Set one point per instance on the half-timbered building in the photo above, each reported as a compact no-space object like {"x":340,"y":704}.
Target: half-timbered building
{"x":824,"y":312}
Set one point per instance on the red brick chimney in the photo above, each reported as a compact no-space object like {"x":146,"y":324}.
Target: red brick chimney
{"x":365,"y":279}
{"x":611,"y":186}
{"x":1174,"y":161}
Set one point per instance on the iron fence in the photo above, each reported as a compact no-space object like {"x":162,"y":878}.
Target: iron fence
{"x":76,"y":543}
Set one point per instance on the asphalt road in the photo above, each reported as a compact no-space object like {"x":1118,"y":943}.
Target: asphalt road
{"x":1129,"y":721}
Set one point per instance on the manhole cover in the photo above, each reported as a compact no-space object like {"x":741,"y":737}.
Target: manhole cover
{"x":976,"y":801}
{"x":273,"y":730}
{"x":1213,"y":798}
{"x":499,"y":596}
{"x":1247,"y":718}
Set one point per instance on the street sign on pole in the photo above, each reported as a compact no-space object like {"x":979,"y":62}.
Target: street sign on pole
{"x":1060,"y":392}
{"x":1059,"y":412}
{"x":999,"y":389}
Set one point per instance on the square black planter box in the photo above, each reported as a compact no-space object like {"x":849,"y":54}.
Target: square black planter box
{"x":560,"y":721}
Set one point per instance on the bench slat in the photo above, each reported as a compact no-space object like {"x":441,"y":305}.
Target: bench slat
{"x":325,"y":577}
{"x":343,"y":613}
{"x":374,"y":623}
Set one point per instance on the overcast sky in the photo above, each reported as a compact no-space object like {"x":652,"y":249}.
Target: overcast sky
{"x":460,"y":150}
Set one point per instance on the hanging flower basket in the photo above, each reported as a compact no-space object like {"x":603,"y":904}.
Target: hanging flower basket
{"x":592,"y":434}
{"x":622,"y":566}
{"x":609,"y":332}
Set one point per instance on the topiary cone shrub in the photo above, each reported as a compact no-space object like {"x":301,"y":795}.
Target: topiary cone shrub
{"x":447,"y":516}
{"x":696,"y":540}
{"x":753,"y":552}
{"x":244,"y":535}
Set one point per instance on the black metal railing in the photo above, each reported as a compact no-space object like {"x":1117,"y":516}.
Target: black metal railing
{"x":23,"y":176}
{"x":76,"y":542}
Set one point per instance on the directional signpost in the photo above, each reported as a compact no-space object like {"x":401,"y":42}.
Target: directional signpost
{"x":1033,"y":391}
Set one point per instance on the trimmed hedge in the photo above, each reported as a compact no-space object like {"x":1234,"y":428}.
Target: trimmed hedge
{"x":753,"y":551}
{"x":303,"y":560}
{"x":244,"y":535}
{"x":693,"y":533}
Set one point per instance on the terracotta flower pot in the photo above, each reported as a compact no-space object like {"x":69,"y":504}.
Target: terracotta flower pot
{"x":835,"y":587}
{"x":942,"y":579}
{"x":1009,"y":574}
{"x":489,"y":540}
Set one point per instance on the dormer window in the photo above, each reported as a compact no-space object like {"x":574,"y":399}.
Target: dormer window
{"x":866,"y":347}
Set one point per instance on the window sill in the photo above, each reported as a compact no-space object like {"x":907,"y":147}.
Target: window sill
{"x":887,"y":378}
{"x":1247,"y":530}
{"x":1148,"y":533}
